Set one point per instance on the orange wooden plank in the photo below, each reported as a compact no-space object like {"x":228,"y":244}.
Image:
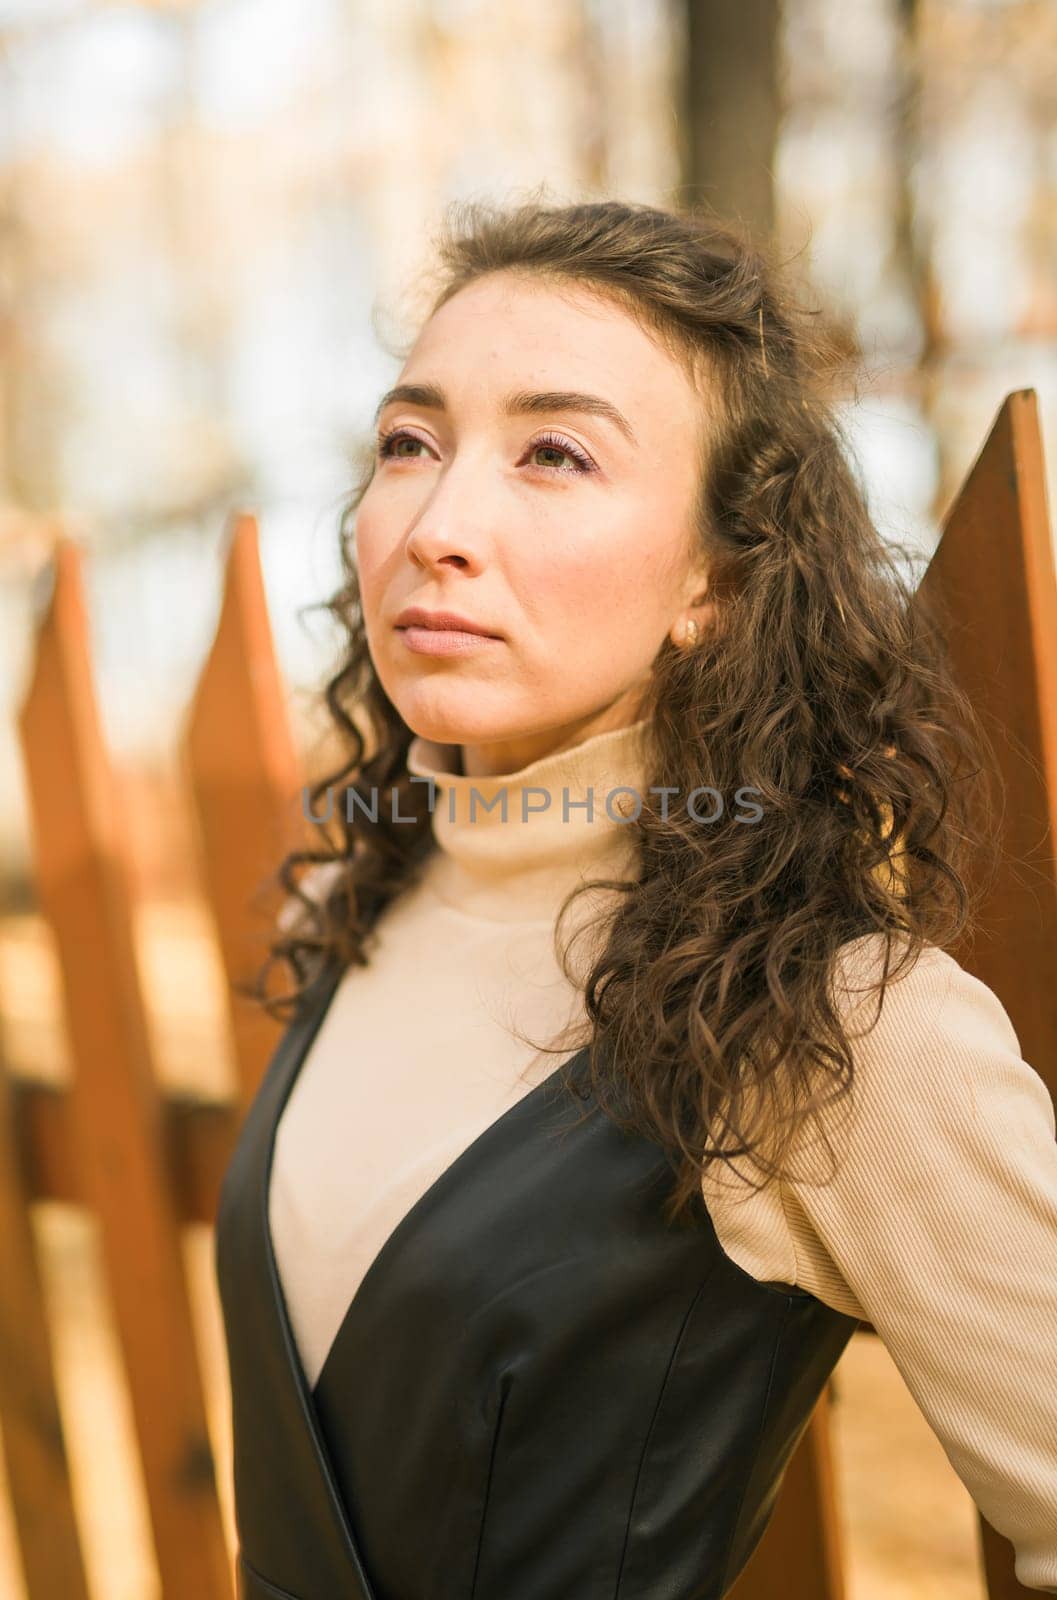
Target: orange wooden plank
{"x":993,"y":574}
{"x":117,"y":1116}
{"x":244,"y":775}
{"x":31,"y":1431}
{"x":992,"y":577}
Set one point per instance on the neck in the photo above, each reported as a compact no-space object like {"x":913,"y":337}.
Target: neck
{"x":512,"y":844}
{"x":509,"y":756}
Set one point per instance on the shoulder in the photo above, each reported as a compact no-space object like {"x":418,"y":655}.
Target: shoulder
{"x":938,"y":1061}
{"x":935,"y":998}
{"x":918,"y":987}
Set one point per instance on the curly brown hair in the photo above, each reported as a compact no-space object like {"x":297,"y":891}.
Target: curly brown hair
{"x":824,"y":686}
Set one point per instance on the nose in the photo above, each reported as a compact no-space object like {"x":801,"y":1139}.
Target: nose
{"x":451,"y":526}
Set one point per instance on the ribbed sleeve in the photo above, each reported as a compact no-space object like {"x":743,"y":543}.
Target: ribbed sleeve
{"x":939,"y":1222}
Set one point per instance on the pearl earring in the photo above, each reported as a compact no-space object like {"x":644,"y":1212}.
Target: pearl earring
{"x":687,"y":632}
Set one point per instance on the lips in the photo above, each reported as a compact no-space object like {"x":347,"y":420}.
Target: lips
{"x":441,"y":621}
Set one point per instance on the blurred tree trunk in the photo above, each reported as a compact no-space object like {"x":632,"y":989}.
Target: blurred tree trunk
{"x":731,"y":108}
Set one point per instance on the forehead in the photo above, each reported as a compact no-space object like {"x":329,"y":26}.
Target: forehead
{"x":503,"y":328}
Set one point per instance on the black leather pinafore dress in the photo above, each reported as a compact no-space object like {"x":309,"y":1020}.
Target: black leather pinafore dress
{"x":539,"y":1390}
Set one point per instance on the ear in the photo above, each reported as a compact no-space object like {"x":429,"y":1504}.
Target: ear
{"x":698,"y":600}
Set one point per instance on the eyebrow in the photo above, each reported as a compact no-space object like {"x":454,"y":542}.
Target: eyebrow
{"x":520,"y":403}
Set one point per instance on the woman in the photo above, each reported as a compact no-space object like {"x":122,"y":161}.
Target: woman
{"x":626,"y":1070}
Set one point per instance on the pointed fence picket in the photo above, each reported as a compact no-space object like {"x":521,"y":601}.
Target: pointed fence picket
{"x":992,"y":581}
{"x":243,"y":773}
{"x":993,"y":578}
{"x":115,"y":1114}
{"x":34,"y":1444}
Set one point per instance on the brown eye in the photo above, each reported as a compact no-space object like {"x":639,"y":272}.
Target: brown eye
{"x":564,"y":447}
{"x":388,"y":442}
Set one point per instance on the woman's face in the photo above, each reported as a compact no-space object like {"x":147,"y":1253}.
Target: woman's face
{"x":563,"y":531}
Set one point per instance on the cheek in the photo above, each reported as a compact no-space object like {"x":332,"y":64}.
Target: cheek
{"x":374,"y":553}
{"x":618,"y":574}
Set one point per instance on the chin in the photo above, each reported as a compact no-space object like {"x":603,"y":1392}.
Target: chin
{"x":446,"y":725}
{"x":477,"y":731}
{"x":448,"y":732}
{"x":465,"y":714}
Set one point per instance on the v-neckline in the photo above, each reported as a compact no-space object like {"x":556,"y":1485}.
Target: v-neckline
{"x":406,"y":1222}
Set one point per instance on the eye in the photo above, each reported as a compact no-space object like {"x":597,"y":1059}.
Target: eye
{"x":388,"y":441}
{"x":556,"y":443}
{"x":565,"y":447}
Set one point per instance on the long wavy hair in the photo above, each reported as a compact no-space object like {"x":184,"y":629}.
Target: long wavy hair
{"x":715,"y":1027}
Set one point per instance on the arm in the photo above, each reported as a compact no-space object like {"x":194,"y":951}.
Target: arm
{"x":940,"y":1225}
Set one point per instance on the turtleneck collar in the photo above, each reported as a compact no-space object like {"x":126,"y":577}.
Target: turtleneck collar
{"x":517,"y":861}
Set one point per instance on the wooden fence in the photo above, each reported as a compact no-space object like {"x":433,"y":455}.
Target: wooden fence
{"x":146,"y":1162}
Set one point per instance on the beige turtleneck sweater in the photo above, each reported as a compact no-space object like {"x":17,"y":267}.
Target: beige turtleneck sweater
{"x":936,"y":1219}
